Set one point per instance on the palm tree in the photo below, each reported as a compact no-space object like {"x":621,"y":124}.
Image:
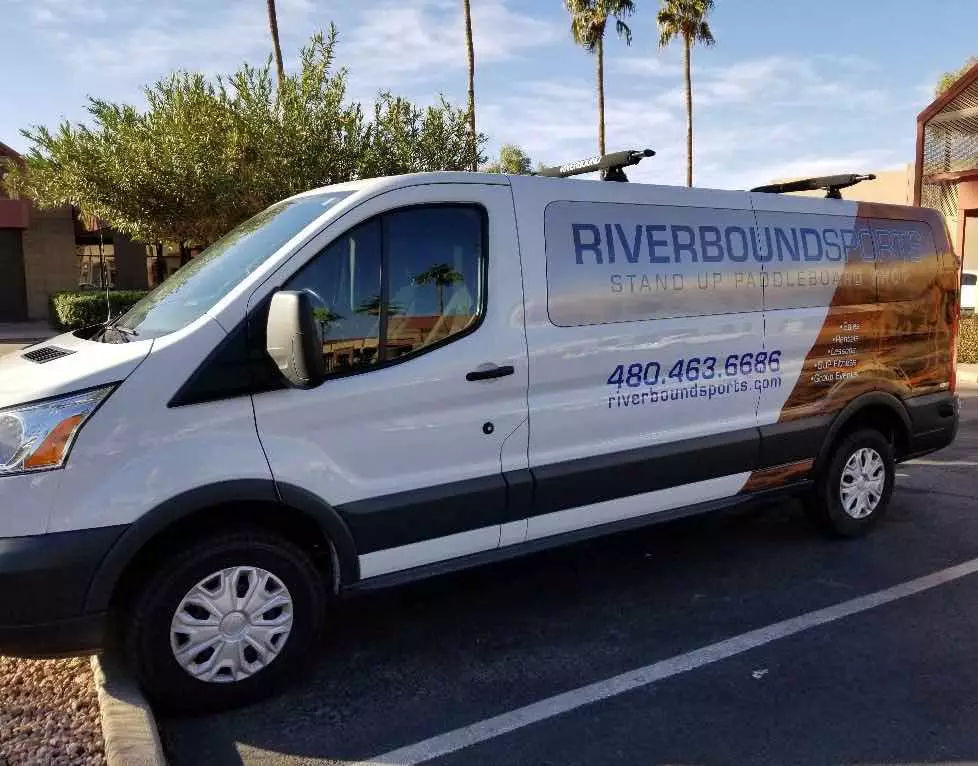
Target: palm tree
{"x":686,"y":19}
{"x":325,"y":317}
{"x":470,"y":57}
{"x":374,"y":307}
{"x":441,"y":275}
{"x":588,"y":21}
{"x":276,"y":46}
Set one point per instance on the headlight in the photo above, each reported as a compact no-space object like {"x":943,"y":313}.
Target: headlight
{"x":35,"y":437}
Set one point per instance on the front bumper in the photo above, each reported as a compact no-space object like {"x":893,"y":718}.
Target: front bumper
{"x":44,"y":580}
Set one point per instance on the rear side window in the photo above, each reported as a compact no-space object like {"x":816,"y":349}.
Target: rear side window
{"x":815,"y":260}
{"x":398,"y":284}
{"x":969,"y":280}
{"x":907,"y":260}
{"x":610,"y":262}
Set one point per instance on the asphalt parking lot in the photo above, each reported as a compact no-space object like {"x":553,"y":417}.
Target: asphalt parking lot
{"x":892,"y":684}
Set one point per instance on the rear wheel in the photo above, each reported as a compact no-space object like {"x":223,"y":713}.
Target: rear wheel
{"x":853,"y":491}
{"x":225,"y":622}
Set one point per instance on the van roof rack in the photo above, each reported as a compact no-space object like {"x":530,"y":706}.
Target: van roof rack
{"x":611,"y":165}
{"x":831,"y":184}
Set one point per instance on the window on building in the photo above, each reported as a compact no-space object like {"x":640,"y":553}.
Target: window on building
{"x":96,"y":270}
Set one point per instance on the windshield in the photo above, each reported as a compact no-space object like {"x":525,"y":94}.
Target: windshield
{"x":198,"y":286}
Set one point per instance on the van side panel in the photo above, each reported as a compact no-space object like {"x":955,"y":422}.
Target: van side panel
{"x":641,"y":333}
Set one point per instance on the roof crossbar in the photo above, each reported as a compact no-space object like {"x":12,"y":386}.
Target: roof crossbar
{"x":831,"y":184}
{"x":610,"y":165}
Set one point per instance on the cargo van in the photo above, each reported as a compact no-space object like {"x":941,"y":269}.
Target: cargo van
{"x":392,"y":378}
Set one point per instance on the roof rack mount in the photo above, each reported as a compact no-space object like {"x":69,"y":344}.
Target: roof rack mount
{"x":831,"y":184}
{"x":610,"y":165}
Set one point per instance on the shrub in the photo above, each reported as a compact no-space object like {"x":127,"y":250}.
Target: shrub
{"x":73,"y":310}
{"x":968,"y":340}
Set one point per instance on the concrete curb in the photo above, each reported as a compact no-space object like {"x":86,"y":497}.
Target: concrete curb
{"x":128,"y":727}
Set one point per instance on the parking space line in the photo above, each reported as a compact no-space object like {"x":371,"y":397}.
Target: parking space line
{"x":452,"y":741}
{"x":944,"y":463}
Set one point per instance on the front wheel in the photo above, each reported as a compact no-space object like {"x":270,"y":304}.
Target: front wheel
{"x":853,"y":491}
{"x":225,"y":621}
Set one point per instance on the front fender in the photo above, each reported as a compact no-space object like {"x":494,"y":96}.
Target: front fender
{"x":158,"y":520}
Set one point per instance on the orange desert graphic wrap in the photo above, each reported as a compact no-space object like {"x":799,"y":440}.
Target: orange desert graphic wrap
{"x":890,"y":325}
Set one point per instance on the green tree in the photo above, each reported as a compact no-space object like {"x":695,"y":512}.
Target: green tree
{"x":512,"y":160}
{"x":949,"y":78}
{"x":202,"y":156}
{"x":441,"y":275}
{"x":403,"y":138}
{"x":470,"y":61}
{"x":589,"y":19}
{"x":276,"y":45}
{"x":686,"y":20}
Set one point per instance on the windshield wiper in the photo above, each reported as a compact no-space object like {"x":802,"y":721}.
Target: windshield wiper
{"x":112,"y":324}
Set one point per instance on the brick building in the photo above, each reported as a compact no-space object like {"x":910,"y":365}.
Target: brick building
{"x":45,"y":251}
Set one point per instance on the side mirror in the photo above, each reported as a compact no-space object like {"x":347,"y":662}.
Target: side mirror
{"x":294,"y":339}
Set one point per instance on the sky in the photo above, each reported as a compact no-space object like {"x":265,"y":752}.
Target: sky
{"x":791,"y":88}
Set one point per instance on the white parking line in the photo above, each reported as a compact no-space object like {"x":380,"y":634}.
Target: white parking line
{"x":452,"y":741}
{"x":943,"y":463}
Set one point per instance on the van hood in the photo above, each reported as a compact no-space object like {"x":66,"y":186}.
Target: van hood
{"x":71,"y":364}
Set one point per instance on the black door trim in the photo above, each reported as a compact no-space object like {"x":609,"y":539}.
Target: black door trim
{"x":614,"y":475}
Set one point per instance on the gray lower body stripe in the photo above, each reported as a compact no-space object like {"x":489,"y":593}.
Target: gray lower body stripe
{"x":403,"y":518}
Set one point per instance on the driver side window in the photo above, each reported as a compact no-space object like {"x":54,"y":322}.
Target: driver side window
{"x":398,"y":283}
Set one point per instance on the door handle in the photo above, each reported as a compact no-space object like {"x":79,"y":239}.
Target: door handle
{"x":490,"y":372}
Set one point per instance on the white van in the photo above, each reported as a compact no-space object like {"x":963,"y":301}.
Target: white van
{"x":392,"y":378}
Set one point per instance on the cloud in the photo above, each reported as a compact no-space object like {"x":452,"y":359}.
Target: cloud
{"x":780,"y":81}
{"x":147,"y":39}
{"x":818,"y":165}
{"x":755,"y":119}
{"x":55,"y":12}
{"x":653,"y":66}
{"x":556,"y":120}
{"x":419,"y":39}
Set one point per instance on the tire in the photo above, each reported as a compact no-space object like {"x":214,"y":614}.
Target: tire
{"x":213,"y":577}
{"x":842,"y":512}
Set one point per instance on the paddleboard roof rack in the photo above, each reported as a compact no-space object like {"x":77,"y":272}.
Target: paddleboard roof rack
{"x":831,"y":184}
{"x":611,"y":166}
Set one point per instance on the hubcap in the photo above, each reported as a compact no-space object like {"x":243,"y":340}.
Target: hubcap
{"x":861,"y":485}
{"x":231,"y":624}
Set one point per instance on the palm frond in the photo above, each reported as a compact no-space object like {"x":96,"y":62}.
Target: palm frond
{"x":624,"y":31}
{"x":686,"y":19}
{"x":704,"y":34}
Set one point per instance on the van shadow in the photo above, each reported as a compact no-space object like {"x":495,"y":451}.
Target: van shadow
{"x":408,"y":663}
